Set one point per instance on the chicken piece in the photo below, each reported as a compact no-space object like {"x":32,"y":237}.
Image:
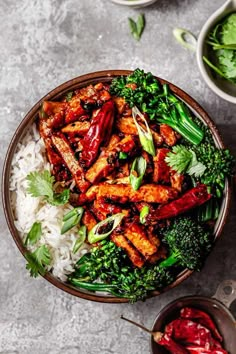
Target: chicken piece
{"x":109,"y":160}
{"x":150,"y":193}
{"x":120,"y":104}
{"x":67,"y":154}
{"x":137,"y":236}
{"x":127,"y":126}
{"x":160,"y":254}
{"x":168,"y":134}
{"x":133,"y":254}
{"x":76,"y":128}
{"x":161,"y":169}
{"x":88,"y":220}
{"x":176,"y":180}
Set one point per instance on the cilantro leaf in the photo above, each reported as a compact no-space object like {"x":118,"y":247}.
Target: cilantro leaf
{"x":137,"y":28}
{"x":34,"y":234}
{"x":40,"y":184}
{"x":37,"y":261}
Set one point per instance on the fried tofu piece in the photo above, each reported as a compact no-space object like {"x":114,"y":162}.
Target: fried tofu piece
{"x":150,"y":193}
{"x":120,"y":104}
{"x":153,"y":237}
{"x":137,"y":236}
{"x":115,"y":139}
{"x":133,"y":254}
{"x":160,"y":254}
{"x":176,"y":180}
{"x":109,"y":160}
{"x":76,"y":128}
{"x":127,"y":126}
{"x":67,"y":154}
{"x":168,"y":134}
{"x":161,"y":171}
{"x":102,"y":209}
{"x":89,"y":220}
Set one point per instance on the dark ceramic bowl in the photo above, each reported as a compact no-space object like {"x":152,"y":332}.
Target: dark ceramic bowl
{"x":79,"y":82}
{"x":217,"y":307}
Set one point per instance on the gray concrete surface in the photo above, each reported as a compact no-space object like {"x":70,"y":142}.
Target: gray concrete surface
{"x":44,"y":43}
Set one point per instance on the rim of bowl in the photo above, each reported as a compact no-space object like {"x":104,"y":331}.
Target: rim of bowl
{"x":185,"y":299}
{"x":214,"y":18}
{"x":134,"y":2}
{"x":57,"y":92}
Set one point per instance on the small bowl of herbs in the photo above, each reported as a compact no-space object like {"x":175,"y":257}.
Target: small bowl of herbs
{"x":216,"y":51}
{"x":134,"y":3}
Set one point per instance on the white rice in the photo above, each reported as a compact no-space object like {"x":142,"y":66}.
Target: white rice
{"x":30,"y":157}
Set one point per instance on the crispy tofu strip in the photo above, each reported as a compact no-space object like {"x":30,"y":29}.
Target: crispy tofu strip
{"x":89,"y":220}
{"x":160,"y":254}
{"x":150,"y":193}
{"x":133,"y":254}
{"x":120,"y":104}
{"x":115,"y":139}
{"x":136,"y":235}
{"x":67,"y":154}
{"x":76,"y":128}
{"x":153,"y":238}
{"x":127,"y":126}
{"x":176,"y":180}
{"x":108,"y":160}
{"x":161,"y":171}
{"x":168,"y":134}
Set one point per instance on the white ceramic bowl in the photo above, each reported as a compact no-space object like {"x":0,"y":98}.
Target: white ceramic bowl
{"x":134,"y":3}
{"x":221,"y":87}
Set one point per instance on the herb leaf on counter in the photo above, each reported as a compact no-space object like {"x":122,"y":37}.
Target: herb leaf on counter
{"x":137,"y":28}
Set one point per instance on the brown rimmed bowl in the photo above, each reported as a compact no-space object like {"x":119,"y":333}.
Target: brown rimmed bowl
{"x":57,"y":93}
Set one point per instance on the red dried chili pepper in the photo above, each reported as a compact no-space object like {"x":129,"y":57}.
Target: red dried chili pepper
{"x":201,"y":317}
{"x":98,"y":133}
{"x":189,"y":332}
{"x":171,"y":345}
{"x":191,"y":199}
{"x":200,"y":350}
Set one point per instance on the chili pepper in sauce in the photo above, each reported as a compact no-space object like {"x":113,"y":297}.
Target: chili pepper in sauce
{"x":200,"y":350}
{"x":201,"y":317}
{"x":172,"y":346}
{"x":191,"y":199}
{"x":190,"y":332}
{"x":98,"y":133}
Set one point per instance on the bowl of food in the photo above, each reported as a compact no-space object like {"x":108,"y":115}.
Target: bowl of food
{"x":134,"y":3}
{"x":115,"y":186}
{"x":216,"y":51}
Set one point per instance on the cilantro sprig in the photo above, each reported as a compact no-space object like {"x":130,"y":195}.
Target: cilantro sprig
{"x":40,"y":184}
{"x":37,"y":261}
{"x":34,"y":234}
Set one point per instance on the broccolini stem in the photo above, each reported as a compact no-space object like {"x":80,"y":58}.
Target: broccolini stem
{"x":168,"y":262}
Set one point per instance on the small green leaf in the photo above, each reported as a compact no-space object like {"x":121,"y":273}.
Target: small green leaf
{"x":69,"y":96}
{"x":123,"y":155}
{"x":137,"y":28}
{"x":110,"y":223}
{"x":143,"y":214}
{"x":34,"y":234}
{"x":80,"y":240}
{"x":145,"y":135}
{"x":137,"y":172}
{"x":179,"y":158}
{"x":37,"y":261}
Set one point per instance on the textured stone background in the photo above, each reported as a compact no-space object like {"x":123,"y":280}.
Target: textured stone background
{"x":44,"y":43}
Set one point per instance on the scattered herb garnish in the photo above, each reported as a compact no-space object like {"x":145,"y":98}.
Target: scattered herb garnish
{"x":145,"y":135}
{"x":69,"y":96}
{"x":40,"y":184}
{"x":71,"y":219}
{"x":38,"y":260}
{"x":123,"y":155}
{"x":222,"y":41}
{"x":143,"y":214}
{"x":34,"y":234}
{"x":104,"y":228}
{"x":137,"y":172}
{"x":81,"y":238}
{"x":137,"y":28}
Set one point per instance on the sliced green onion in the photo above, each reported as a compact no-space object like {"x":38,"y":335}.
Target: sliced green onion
{"x":145,"y":136}
{"x":137,"y":172}
{"x":143,"y":214}
{"x":185,"y":38}
{"x":80,"y":240}
{"x":71,"y":219}
{"x":34,"y":234}
{"x":95,"y":236}
{"x":123,"y":155}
